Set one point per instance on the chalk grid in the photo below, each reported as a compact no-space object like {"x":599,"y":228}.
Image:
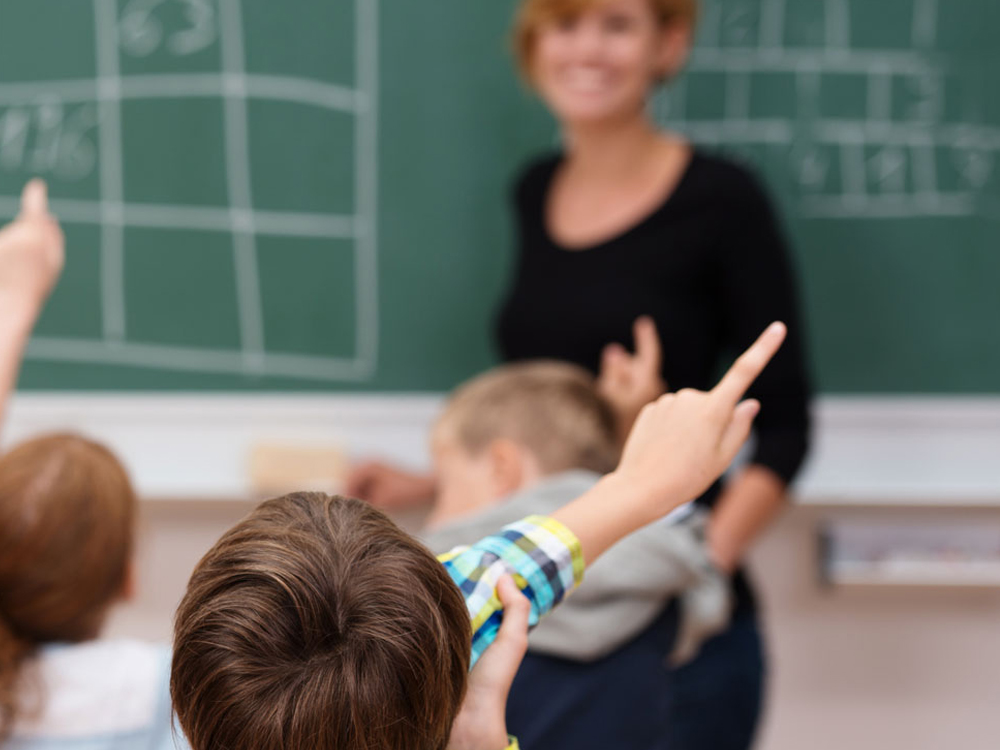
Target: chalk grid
{"x":211,"y":22}
{"x":894,"y":154}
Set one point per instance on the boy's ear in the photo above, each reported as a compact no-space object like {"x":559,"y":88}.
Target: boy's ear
{"x":510,"y":466}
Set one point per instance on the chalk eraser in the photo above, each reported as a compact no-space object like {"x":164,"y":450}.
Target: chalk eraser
{"x":280,"y":468}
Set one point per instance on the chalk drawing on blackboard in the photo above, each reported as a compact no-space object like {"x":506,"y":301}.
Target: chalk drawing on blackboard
{"x":882,"y":155}
{"x":141,"y":32}
{"x":72,"y":128}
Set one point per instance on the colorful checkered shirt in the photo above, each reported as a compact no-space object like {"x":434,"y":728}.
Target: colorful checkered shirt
{"x":542,"y":555}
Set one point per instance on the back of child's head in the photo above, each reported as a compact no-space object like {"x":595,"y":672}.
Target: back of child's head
{"x":317,"y":624}
{"x":66,"y":532}
{"x":553,"y":409}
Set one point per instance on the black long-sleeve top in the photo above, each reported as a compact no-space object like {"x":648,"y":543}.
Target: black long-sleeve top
{"x":710,"y":266}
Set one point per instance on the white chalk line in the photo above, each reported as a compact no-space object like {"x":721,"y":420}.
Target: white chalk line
{"x":924,"y":161}
{"x":757,"y":60}
{"x":838,"y":26}
{"x":191,"y":86}
{"x":925,"y":19}
{"x":366,"y":186}
{"x":853,"y":167}
{"x":807,"y":87}
{"x":197,"y":218}
{"x":880,"y":96}
{"x":835,"y":131}
{"x":111,"y":170}
{"x":738,"y":94}
{"x":237,"y":141}
{"x":190,"y":359}
{"x":772,"y":26}
{"x":935,"y":205}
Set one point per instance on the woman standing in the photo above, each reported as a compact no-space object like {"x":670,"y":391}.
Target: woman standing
{"x":632,"y":235}
{"x":631,"y":222}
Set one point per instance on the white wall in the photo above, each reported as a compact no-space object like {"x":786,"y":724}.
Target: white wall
{"x":866,"y":450}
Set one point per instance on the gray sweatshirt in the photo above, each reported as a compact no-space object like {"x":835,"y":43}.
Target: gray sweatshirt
{"x":626,"y":589}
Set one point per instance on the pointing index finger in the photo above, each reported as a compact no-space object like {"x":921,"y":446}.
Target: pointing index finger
{"x":647,"y":342}
{"x":35,"y":199}
{"x":746,"y":369}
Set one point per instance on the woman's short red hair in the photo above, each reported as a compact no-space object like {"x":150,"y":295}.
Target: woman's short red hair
{"x":533,"y":14}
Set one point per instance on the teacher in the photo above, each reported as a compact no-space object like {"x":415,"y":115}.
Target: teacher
{"x":632,"y":239}
{"x":632,"y":223}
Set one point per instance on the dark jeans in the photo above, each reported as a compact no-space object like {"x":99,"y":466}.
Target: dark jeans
{"x":631,"y":700}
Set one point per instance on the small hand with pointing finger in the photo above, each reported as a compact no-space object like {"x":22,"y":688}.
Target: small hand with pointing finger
{"x":32,"y":254}
{"x":630,"y":381}
{"x":688,"y":439}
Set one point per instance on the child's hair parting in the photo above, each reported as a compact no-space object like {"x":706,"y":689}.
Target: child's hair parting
{"x":551,"y":408}
{"x":318,"y":624}
{"x":67,"y":515}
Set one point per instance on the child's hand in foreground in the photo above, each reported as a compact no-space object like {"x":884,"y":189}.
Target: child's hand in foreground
{"x":32,"y":253}
{"x":684,"y":441}
{"x":680,"y":444}
{"x":481,"y":722}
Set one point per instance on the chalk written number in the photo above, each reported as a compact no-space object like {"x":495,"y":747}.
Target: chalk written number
{"x":141,"y":29}
{"x":47,"y":139}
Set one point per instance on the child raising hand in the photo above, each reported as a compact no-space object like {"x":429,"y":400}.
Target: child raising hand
{"x":32,"y":253}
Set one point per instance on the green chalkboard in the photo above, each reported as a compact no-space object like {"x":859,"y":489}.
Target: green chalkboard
{"x":876,"y":124}
{"x":312,"y":194}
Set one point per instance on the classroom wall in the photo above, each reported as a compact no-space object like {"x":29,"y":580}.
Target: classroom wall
{"x":893,"y":669}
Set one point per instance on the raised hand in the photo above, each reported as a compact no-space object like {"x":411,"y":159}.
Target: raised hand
{"x":683,"y":441}
{"x":387,"y":487}
{"x":32,"y":253}
{"x":630,"y":381}
{"x":680,"y":444}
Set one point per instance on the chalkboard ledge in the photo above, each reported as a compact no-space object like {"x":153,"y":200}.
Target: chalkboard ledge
{"x":867,"y":450}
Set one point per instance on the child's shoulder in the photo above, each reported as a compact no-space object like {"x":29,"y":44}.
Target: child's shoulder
{"x":99,"y":688}
{"x":113,"y":664}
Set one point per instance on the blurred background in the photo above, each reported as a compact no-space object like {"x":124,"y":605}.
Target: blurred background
{"x":288,"y":228}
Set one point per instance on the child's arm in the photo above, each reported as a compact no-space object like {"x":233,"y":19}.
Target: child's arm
{"x":31,"y":258}
{"x":678,"y":447}
{"x":481,"y":722}
{"x":389,"y":487}
{"x":544,"y":558}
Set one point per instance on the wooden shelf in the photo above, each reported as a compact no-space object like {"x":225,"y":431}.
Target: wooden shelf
{"x":971,"y":574}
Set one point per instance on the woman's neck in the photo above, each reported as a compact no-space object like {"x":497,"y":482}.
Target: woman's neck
{"x":610,"y":150}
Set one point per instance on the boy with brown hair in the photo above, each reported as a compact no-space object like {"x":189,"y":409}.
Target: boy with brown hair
{"x":315,"y":623}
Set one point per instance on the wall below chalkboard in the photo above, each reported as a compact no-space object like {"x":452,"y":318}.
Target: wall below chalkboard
{"x":866,"y":451}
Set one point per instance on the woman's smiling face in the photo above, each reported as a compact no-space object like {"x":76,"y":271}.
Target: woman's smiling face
{"x":600,"y":64}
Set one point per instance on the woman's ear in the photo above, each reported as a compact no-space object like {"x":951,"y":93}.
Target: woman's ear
{"x":676,"y":40}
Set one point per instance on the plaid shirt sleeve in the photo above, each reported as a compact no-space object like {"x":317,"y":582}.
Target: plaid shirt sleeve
{"x":542,"y":555}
